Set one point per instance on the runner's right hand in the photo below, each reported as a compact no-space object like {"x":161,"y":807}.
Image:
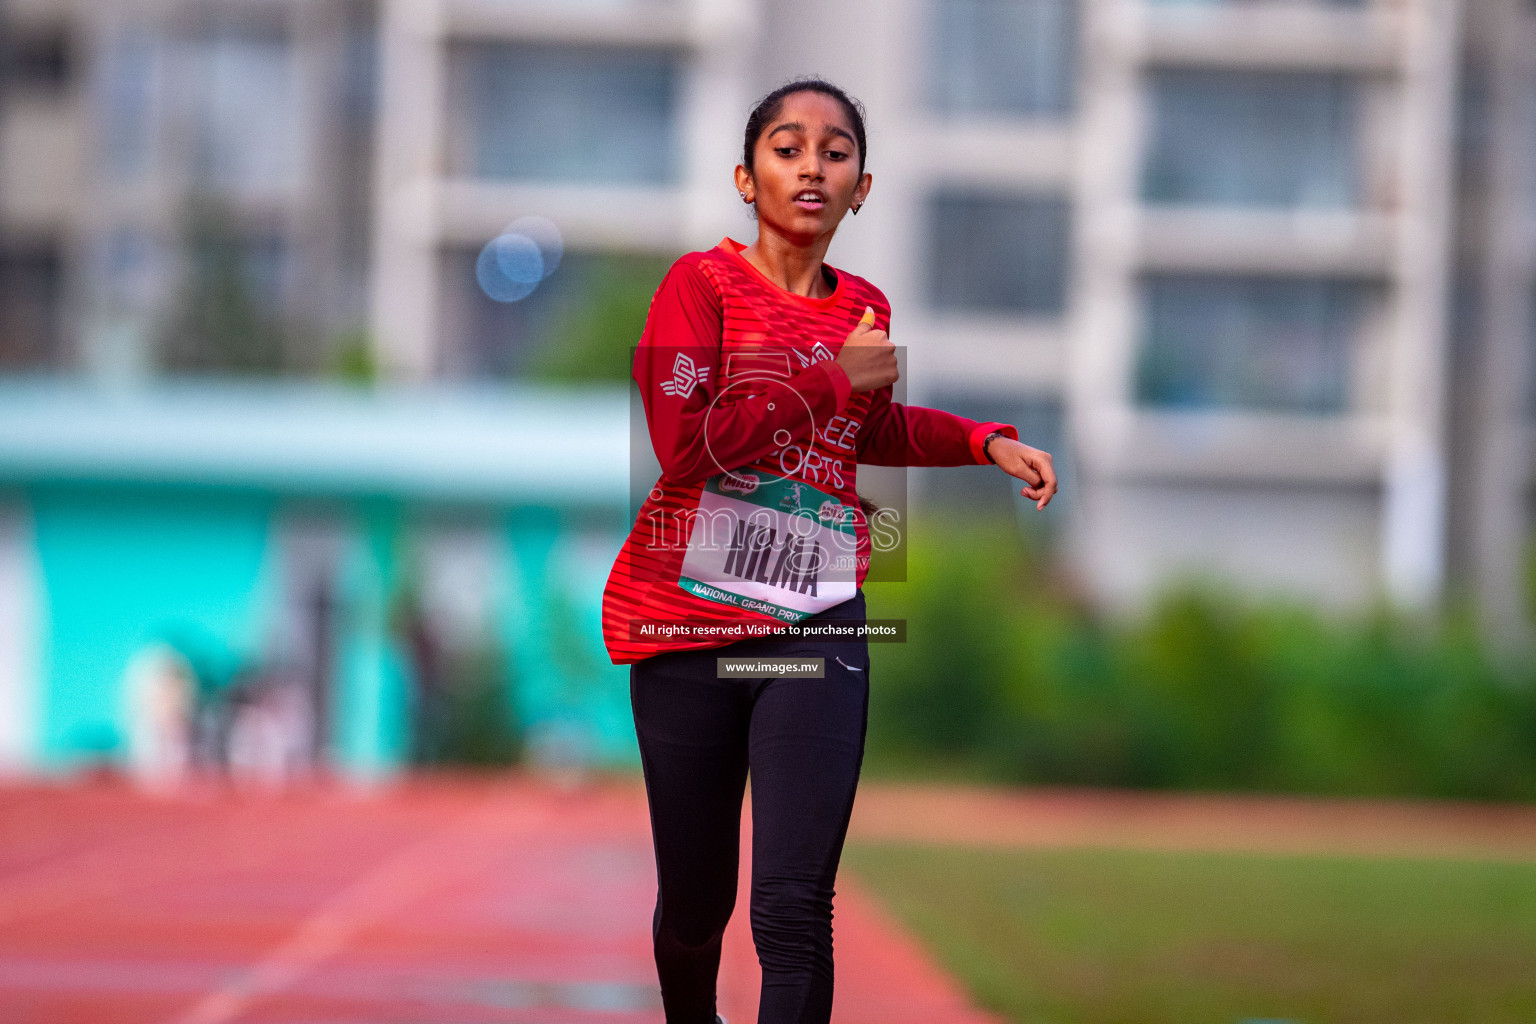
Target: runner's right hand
{"x":868,"y":357}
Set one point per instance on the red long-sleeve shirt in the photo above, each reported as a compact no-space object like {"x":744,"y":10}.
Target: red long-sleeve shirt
{"x":759,"y":435}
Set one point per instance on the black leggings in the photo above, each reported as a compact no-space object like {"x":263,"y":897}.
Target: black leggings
{"x":804,"y":742}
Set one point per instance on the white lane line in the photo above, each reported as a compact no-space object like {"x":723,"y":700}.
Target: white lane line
{"x":389,"y":887}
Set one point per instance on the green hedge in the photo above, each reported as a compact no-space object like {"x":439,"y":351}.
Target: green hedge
{"x":1007,"y":677}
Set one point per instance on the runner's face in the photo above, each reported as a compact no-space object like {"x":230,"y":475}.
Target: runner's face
{"x":806,"y":168}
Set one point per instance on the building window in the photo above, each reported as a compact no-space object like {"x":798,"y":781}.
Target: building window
{"x":1250,"y":3}
{"x":1253,"y":139}
{"x":1004,"y":57}
{"x":999,"y":253}
{"x":128,"y":99}
{"x":567,"y":114}
{"x":1474,"y":125}
{"x":1530,"y":151}
{"x":246,"y":125}
{"x":1250,"y":343}
{"x":35,"y":61}
{"x":31,"y":287}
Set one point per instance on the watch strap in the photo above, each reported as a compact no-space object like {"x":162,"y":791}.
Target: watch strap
{"x":986,"y":444}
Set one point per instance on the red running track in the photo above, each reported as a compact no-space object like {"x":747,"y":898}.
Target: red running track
{"x":466,"y":901}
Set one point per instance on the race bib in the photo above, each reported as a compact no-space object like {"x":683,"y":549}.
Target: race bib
{"x":770,"y":545}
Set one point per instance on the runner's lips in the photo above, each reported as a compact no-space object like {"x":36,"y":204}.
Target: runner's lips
{"x":810,"y":199}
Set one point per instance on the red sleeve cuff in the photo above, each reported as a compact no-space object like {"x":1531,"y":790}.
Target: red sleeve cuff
{"x":979,"y":434}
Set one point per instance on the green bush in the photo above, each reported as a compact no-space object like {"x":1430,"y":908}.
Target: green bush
{"x":1007,"y":677}
{"x":471,"y":723}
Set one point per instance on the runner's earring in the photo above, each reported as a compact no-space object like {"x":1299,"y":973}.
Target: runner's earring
{"x":855,"y":209}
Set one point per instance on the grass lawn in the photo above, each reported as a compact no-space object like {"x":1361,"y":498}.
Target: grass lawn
{"x":1079,"y":936}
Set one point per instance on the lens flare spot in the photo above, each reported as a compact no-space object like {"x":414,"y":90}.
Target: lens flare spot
{"x":543,"y":232}
{"x":494,"y":280}
{"x":519,"y":258}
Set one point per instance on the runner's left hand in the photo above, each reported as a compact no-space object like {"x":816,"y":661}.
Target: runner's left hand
{"x":1031,"y":465}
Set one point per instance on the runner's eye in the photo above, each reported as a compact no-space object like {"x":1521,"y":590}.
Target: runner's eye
{"x":785,"y":150}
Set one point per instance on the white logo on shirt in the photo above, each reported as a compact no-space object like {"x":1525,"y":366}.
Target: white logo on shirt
{"x":819,"y":353}
{"x":684,"y":376}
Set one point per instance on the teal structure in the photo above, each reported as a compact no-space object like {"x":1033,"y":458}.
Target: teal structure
{"x":162,"y":516}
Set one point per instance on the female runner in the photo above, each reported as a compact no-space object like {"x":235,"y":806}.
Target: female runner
{"x":766,"y":377}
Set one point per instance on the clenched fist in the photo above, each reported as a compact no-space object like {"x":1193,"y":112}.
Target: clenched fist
{"x":868,"y":357}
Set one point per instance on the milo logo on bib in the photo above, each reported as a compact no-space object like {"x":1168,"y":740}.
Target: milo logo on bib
{"x":770,"y":545}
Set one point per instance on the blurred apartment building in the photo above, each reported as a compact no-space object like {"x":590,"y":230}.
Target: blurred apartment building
{"x":1261,"y":271}
{"x":153,"y":153}
{"x":1218,"y":241}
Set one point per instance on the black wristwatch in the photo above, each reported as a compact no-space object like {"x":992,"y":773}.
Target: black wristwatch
{"x":986,"y":444}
